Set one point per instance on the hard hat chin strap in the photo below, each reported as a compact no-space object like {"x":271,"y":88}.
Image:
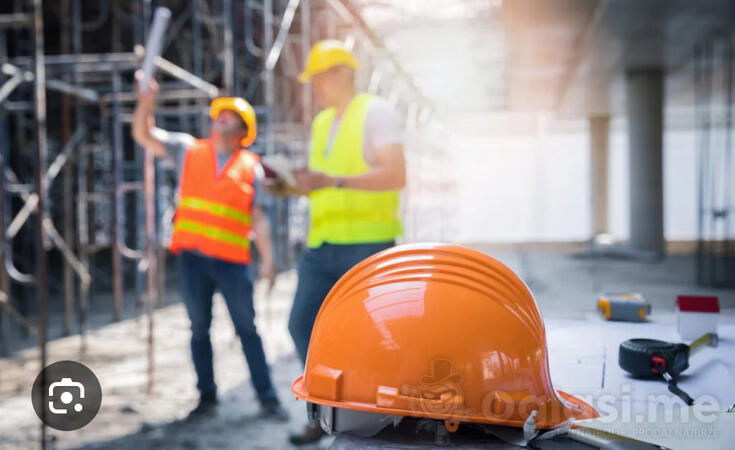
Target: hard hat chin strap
{"x":530,"y":432}
{"x":529,"y":426}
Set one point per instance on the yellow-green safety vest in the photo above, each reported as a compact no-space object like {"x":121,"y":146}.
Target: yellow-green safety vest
{"x":348,"y":216}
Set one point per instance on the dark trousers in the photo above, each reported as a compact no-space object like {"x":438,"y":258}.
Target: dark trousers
{"x":319,"y":269}
{"x":199,"y":277}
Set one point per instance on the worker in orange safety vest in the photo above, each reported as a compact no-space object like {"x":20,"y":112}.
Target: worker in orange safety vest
{"x":219,"y":206}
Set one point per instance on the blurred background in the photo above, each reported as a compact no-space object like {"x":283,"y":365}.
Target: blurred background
{"x":586,"y":143}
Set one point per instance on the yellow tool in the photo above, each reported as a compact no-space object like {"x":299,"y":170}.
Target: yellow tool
{"x":629,"y":307}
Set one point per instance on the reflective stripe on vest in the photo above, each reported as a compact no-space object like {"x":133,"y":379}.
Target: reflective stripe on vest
{"x":214,"y":211}
{"x":348,"y":216}
{"x":217,"y":234}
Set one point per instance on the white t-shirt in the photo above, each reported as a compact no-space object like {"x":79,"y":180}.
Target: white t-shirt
{"x":383,"y":127}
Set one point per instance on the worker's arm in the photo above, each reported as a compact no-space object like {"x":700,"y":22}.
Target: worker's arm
{"x":387,"y":172}
{"x":143,"y":121}
{"x":382,"y":150}
{"x":262,"y":230}
{"x":263,"y":243}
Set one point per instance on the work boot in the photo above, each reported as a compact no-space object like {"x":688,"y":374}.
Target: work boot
{"x":272,"y":409}
{"x":207,"y":406}
{"x":309,"y":435}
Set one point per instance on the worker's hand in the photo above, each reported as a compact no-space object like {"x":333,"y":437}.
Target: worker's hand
{"x":311,"y":180}
{"x":275,"y":187}
{"x":279,"y":188}
{"x":147,"y":98}
{"x":268,"y":275}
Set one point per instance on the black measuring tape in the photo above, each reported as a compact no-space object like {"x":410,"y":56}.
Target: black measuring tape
{"x":651,"y":358}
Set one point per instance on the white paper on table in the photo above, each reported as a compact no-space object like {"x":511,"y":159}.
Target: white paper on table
{"x":583,"y":360}
{"x":704,"y":429}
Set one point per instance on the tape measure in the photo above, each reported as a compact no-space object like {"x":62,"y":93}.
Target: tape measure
{"x":650,"y":358}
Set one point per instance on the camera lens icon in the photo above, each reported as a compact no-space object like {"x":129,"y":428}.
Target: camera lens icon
{"x":66,"y":395}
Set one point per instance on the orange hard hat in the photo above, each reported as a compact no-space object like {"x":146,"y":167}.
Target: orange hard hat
{"x":243,"y":108}
{"x":437,"y":331}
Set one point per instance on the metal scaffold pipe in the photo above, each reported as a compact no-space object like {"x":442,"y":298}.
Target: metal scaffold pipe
{"x":41,"y":155}
{"x":305,"y":44}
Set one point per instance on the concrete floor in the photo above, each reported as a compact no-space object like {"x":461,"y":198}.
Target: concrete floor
{"x":131,"y":419}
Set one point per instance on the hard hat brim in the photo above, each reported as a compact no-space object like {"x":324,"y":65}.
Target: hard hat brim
{"x":583,"y":409}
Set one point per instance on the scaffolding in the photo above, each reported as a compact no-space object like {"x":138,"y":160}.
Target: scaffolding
{"x":90,"y":208}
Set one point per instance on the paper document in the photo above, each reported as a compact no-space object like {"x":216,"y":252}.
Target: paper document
{"x":278,"y":166}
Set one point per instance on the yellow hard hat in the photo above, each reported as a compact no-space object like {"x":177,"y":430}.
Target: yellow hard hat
{"x":243,"y":109}
{"x":327,"y":54}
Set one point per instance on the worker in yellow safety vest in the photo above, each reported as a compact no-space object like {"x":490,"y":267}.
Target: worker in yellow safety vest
{"x":355,"y":171}
{"x":219,"y":206}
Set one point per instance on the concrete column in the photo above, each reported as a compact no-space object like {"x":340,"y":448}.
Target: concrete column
{"x":645,"y":101}
{"x":599,"y":128}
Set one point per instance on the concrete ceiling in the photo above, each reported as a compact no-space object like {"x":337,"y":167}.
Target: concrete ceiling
{"x":567,"y":57}
{"x":570,"y":56}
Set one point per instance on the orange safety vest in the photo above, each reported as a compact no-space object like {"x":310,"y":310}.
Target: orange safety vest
{"x":213,"y":214}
